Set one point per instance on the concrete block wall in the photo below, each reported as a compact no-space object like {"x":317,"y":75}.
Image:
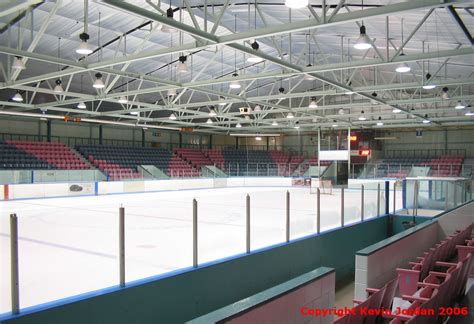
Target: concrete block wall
{"x":374,"y":269}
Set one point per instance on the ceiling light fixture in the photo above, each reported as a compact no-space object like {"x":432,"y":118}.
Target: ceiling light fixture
{"x":166,"y":28}
{"x":98,"y":84}
{"x":296,"y":4}
{"x":363,"y":42}
{"x":460,"y":105}
{"x":18,"y":63}
{"x":445,"y":94}
{"x":17,"y":97}
{"x":84,"y":48}
{"x":254,"y":58}
{"x":258,"y":138}
{"x":469,"y":113}
{"x":235,"y":84}
{"x":58,"y":88}
{"x":428,"y":86}
{"x":257,"y":108}
{"x":396,"y":110}
{"x":209,"y":121}
{"x":380,"y":123}
{"x":172,"y":116}
{"x":341,"y":111}
{"x":426,"y":121}
{"x":362,"y":116}
{"x":313,"y":103}
{"x":212,"y":113}
{"x":238,"y":125}
{"x":402,"y":67}
{"x":274,"y":123}
{"x":290,"y":115}
{"x":182,"y":65}
{"x":81,"y":105}
{"x":123,"y":99}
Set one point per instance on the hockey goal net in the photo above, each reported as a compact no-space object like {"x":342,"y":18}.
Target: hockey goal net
{"x":325,"y":186}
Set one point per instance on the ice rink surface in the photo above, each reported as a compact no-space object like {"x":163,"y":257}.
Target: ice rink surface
{"x":69,"y":246}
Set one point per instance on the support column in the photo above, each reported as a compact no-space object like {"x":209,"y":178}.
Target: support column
{"x":236,"y":142}
{"x":122,"y":247}
{"x":143,"y":137}
{"x":180,"y":140}
{"x":101,"y":134}
{"x":445,"y":141}
{"x":14,"y":265}
{"x":48,"y":130}
{"x":300,"y":141}
{"x":319,"y":151}
{"x":348,"y":152}
{"x":268,"y":142}
{"x":210,"y":141}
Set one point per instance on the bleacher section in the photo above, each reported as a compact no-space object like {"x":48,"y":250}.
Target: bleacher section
{"x":55,"y":154}
{"x":281,"y":160}
{"x":122,"y":162}
{"x":444,"y":166}
{"x":436,"y":279}
{"x":295,"y":161}
{"x":397,"y":168}
{"x":194,"y":156}
{"x":13,"y":158}
{"x":180,"y":168}
{"x":215,"y":156}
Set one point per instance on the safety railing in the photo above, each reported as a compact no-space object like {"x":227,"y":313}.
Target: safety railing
{"x":402,"y":170}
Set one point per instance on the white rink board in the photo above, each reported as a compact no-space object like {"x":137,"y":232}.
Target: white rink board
{"x":69,"y":245}
{"x":26,"y":191}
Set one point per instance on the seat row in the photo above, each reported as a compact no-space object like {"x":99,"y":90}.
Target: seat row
{"x":417,"y":295}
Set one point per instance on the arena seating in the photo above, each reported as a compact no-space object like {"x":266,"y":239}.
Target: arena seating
{"x":215,"y":156}
{"x":14,"y":158}
{"x":437,"y":279}
{"x":281,"y":160}
{"x":194,"y":156}
{"x":54,"y":153}
{"x":295,"y":161}
{"x":123,"y":162}
{"x":180,"y":168}
{"x":443,"y":166}
{"x":446,"y":166}
{"x":397,"y":168}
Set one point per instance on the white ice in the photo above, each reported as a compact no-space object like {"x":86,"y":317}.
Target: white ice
{"x":69,"y":246}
